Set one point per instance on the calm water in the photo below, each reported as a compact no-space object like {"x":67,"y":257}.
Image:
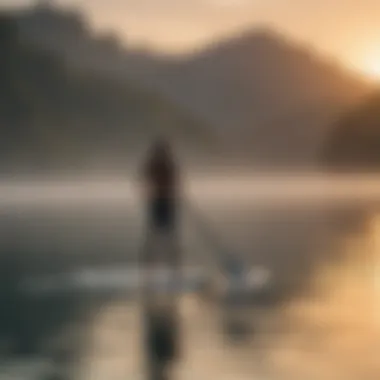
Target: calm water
{"x":322,"y":257}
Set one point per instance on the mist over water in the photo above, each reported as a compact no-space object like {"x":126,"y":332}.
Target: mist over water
{"x":298,"y":188}
{"x":293,"y":225}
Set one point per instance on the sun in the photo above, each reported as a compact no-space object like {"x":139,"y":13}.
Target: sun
{"x":373,"y":69}
{"x":371,"y":66}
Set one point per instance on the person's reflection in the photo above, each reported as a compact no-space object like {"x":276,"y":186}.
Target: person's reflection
{"x":236,"y":326}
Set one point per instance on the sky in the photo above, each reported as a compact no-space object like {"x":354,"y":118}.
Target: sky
{"x":346,"y":30}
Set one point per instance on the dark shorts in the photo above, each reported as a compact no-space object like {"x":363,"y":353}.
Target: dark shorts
{"x":162,"y":212}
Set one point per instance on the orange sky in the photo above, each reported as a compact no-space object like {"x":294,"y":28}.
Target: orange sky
{"x":349,"y":30}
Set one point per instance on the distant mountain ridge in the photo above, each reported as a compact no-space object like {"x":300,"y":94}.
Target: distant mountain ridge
{"x":56,"y":117}
{"x":270,"y":101}
{"x":253,"y":87}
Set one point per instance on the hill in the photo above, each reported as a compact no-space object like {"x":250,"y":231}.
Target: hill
{"x":270,"y":101}
{"x":55,"y":117}
{"x":262,"y":91}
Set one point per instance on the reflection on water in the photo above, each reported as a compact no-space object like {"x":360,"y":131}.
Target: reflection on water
{"x":325,"y":330}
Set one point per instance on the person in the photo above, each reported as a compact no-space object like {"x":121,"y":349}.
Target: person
{"x":161,"y":178}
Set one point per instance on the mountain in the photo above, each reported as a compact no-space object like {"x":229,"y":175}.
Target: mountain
{"x":262,"y":91}
{"x":270,"y":101}
{"x":56,"y":117}
{"x":354,"y":144}
{"x":67,"y":33}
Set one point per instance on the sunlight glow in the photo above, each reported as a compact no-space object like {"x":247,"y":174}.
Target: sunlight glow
{"x":372,"y":66}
